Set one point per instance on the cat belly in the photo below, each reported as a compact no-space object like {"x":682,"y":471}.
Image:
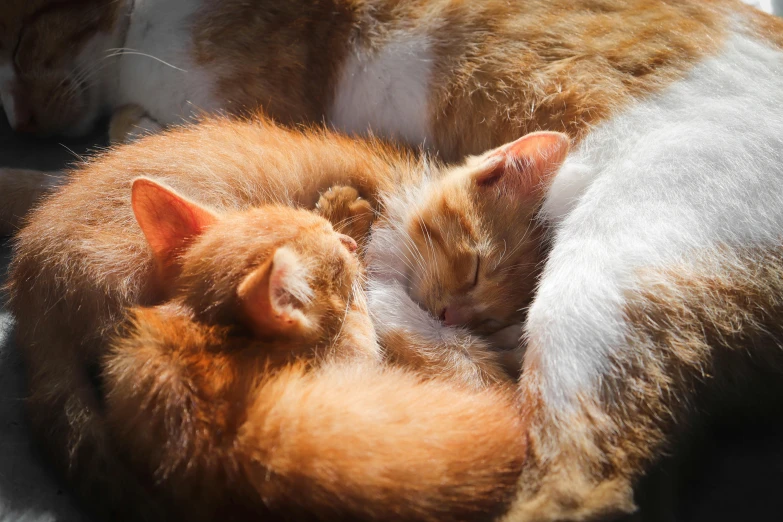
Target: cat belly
{"x":687,"y":173}
{"x":157,"y":70}
{"x":386,"y":90}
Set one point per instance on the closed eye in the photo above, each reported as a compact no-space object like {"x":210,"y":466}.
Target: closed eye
{"x":478,"y":265}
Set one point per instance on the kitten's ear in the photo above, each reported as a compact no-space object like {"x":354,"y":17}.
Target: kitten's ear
{"x":524,"y":166}
{"x":273,"y":296}
{"x":169,"y":221}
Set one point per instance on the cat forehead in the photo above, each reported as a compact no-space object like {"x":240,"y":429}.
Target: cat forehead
{"x":46,"y":27}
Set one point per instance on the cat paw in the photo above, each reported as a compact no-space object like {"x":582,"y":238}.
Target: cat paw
{"x":130,"y":123}
{"x":347,"y":211}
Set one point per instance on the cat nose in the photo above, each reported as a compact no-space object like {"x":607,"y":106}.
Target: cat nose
{"x":455,"y":315}
{"x":349,"y":243}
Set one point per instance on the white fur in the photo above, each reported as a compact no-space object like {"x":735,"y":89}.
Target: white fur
{"x":386,"y":90}
{"x":678,"y":176}
{"x":157,"y":71}
{"x":390,"y":256}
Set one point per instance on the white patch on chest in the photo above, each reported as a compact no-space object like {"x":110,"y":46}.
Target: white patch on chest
{"x":386,"y":91}
{"x":679,"y":175}
{"x":157,"y":70}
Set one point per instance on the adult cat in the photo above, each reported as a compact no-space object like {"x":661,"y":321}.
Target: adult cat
{"x":672,"y":184}
{"x":458,"y":77}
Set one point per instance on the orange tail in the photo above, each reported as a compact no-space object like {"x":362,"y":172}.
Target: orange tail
{"x":226,"y":439}
{"x":364,"y":443}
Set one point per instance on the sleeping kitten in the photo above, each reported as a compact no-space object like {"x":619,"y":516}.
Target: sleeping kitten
{"x":202,"y":395}
{"x":81,"y":261}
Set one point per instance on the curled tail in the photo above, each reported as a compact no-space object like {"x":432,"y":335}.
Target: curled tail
{"x":368,"y":443}
{"x":220,"y":434}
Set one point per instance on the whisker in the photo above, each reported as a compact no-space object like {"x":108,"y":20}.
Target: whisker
{"x":127,"y":51}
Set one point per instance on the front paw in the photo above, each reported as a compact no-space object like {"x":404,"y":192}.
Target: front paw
{"x":347,"y":211}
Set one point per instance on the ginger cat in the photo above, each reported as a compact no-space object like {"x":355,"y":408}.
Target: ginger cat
{"x":82,"y":261}
{"x":255,"y":389}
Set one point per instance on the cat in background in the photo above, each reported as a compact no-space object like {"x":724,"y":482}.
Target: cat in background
{"x":459,"y":77}
{"x":256,"y":388}
{"x":82,"y":260}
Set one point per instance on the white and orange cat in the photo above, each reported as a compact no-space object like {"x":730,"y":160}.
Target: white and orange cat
{"x":665,"y":220}
{"x":457,"y":77}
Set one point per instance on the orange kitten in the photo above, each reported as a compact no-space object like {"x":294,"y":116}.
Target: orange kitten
{"x":203,"y":400}
{"x":81,"y":261}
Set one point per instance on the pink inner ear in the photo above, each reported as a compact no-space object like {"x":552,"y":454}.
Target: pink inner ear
{"x":523,"y":165}
{"x":167,"y":219}
{"x":265,"y":299}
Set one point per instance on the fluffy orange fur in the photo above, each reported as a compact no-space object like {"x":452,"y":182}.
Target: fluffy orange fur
{"x":224,"y":434}
{"x":82,"y":260}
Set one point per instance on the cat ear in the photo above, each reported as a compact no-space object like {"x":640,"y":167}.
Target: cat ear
{"x":169,"y":221}
{"x":274,"y":295}
{"x":526,"y":165}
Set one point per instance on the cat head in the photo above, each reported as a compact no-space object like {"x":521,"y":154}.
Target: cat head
{"x":469,"y":241}
{"x":52,"y":56}
{"x":273,"y":271}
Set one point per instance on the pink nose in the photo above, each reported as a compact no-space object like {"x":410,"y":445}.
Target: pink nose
{"x":455,"y":315}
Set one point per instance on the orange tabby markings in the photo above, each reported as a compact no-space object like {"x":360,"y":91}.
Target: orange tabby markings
{"x":82,"y":261}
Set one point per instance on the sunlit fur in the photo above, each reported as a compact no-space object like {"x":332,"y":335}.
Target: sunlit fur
{"x":221,"y":434}
{"x":454,"y":259}
{"x":81,"y":261}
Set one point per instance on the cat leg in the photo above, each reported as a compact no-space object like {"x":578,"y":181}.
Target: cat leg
{"x":347,"y":211}
{"x":20,"y":190}
{"x":131,"y":122}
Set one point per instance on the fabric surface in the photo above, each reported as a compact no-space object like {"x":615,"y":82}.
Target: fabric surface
{"x":28,"y":491}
